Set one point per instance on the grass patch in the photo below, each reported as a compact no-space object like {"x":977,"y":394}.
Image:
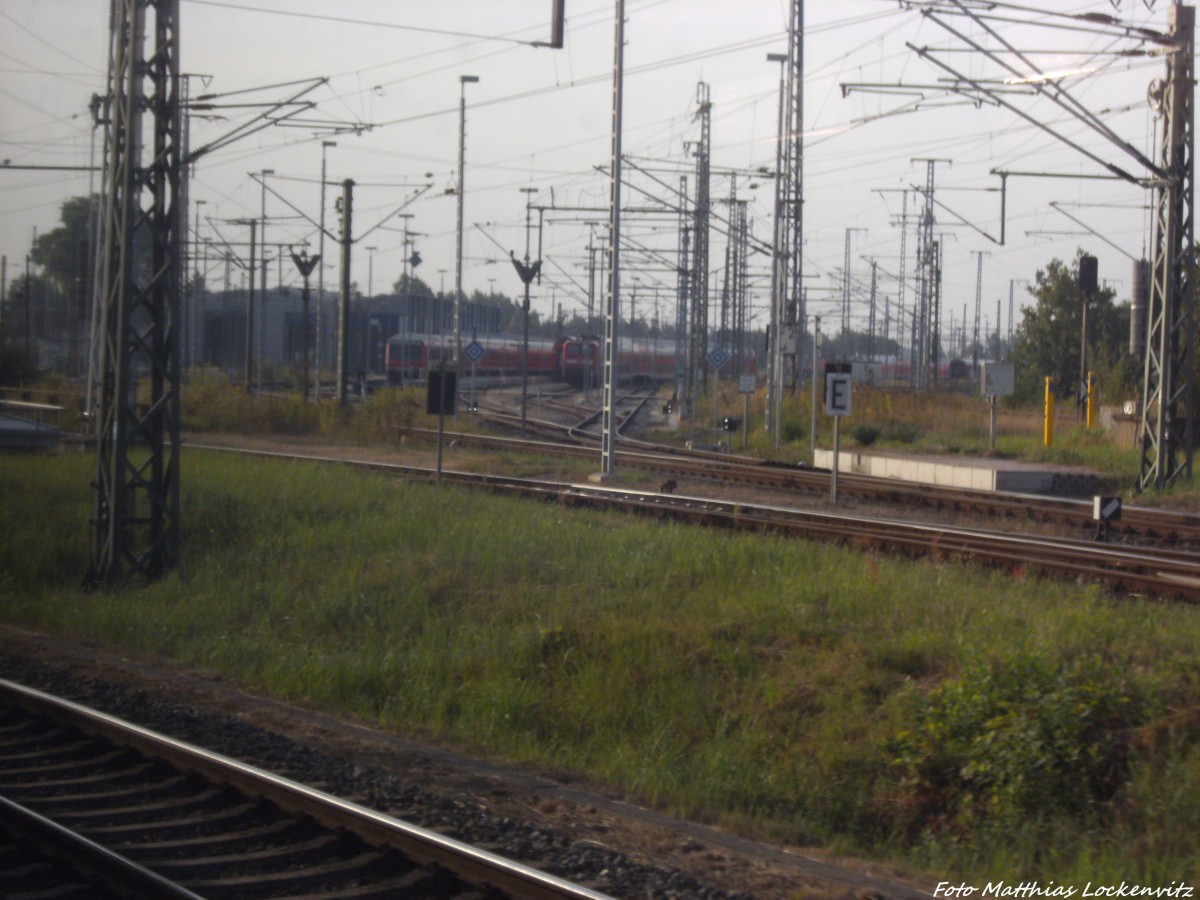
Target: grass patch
{"x":927,"y":712}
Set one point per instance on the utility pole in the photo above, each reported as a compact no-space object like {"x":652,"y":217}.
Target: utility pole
{"x":683,"y":290}
{"x":778,"y":262}
{"x":343,"y":333}
{"x":1167,"y":385}
{"x":846,"y":338}
{"x":796,"y":314}
{"x":248,"y":373}
{"x":28,"y":309}
{"x":136,"y":520}
{"x":871,"y":320}
{"x":903,"y":284}
{"x":612,"y":321}
{"x":1011,"y":285}
{"x":305,"y":264}
{"x":406,"y":291}
{"x":325,"y":145}
{"x":527,"y":273}
{"x":194,"y":295}
{"x":928,"y":278}
{"x":978,"y":312}
{"x":1088,"y":284}
{"x":698,"y":325}
{"x":262,"y":302}
{"x":463,"y":81}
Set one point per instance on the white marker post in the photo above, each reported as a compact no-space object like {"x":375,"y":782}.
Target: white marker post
{"x":837,"y":404}
{"x":747,"y":384}
{"x":999,"y":380}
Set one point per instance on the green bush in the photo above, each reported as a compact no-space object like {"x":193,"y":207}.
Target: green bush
{"x":900,"y":433}
{"x":865,"y":435}
{"x":793,"y":431}
{"x":17,"y":366}
{"x":1017,"y":743}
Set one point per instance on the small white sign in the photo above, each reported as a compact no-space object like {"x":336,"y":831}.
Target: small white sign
{"x":718,"y":357}
{"x":837,"y":393}
{"x":999,"y":379}
{"x":747,"y":384}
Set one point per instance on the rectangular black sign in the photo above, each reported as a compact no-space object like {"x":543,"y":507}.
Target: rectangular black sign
{"x":443,"y":389}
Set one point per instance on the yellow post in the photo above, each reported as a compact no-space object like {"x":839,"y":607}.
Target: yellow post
{"x":1091,"y":401}
{"x":1048,"y":432}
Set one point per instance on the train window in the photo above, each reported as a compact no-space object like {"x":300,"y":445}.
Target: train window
{"x":405,"y":351}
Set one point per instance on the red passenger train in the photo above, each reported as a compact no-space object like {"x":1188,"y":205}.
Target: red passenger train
{"x":409,"y":358}
{"x":577,"y":360}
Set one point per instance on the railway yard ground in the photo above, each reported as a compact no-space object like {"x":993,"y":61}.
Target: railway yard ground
{"x":709,"y":712}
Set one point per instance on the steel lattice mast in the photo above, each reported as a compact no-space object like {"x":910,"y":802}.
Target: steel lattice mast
{"x":612,"y":319}
{"x":794,"y":317}
{"x":1167,"y":387}
{"x":698,"y":308}
{"x":136,"y":384}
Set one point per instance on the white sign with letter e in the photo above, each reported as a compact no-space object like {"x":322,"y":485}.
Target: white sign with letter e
{"x":837,"y":391}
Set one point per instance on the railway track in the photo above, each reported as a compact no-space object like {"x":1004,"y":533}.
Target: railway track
{"x":1166,"y":527}
{"x":1155,"y":572}
{"x":578,"y":431}
{"x":144,"y":815}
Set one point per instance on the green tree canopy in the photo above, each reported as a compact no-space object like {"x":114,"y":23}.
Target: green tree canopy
{"x":1048,"y":339}
{"x":411,"y":284}
{"x":63,"y":252}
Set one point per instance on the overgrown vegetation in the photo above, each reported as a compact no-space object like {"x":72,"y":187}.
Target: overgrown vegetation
{"x":212,"y":404}
{"x":968,"y":722}
{"x":1018,"y":740}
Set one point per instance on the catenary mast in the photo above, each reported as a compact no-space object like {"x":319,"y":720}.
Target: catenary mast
{"x":135,"y":389}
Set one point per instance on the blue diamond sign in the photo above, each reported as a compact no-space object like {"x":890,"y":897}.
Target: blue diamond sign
{"x":718,"y":357}
{"x":474,"y":351}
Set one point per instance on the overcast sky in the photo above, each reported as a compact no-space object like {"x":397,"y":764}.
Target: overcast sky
{"x":540,"y":118}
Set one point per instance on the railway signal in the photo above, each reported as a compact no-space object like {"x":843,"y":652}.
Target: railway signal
{"x":305,"y":264}
{"x":1105,"y":510}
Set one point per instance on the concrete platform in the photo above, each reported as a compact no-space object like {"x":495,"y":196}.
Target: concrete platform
{"x":974,"y":473}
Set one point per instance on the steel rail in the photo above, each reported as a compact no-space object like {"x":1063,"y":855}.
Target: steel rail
{"x":1164,"y":572}
{"x":111,"y":869}
{"x":1157,"y":572}
{"x":422,"y":846}
{"x":1169,"y":526}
